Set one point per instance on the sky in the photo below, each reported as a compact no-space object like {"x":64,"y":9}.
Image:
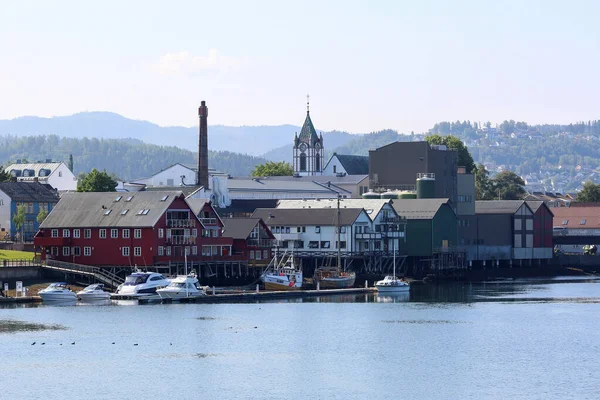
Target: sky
{"x":367,"y":65}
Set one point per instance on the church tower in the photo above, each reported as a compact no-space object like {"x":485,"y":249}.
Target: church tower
{"x":308,"y":149}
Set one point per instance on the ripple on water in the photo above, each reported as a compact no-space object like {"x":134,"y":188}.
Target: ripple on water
{"x":13,"y":326}
{"x":423,"y":321}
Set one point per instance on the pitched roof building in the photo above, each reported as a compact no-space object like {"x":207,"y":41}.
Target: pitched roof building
{"x":308,"y":149}
{"x":347,"y":165}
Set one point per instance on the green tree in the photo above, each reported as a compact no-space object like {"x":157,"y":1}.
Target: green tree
{"x":96,"y":181}
{"x":483,"y":185}
{"x":41,"y":216}
{"x":272,"y":168}
{"x":589,"y":194}
{"x":4,"y":176}
{"x":452,"y":142}
{"x":70,"y":164}
{"x":19,"y":219}
{"x":508,"y":186}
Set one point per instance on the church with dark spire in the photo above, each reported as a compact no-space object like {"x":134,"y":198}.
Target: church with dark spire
{"x":308,"y":149}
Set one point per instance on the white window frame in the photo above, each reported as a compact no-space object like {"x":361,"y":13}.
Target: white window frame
{"x":102,"y":233}
{"x":76,"y":251}
{"x":194,"y":250}
{"x":66,"y":251}
{"x":66,"y":233}
{"x":114,"y":233}
{"x":137,"y":233}
{"x":125,"y":233}
{"x":87,"y":251}
{"x":125,"y":251}
{"x":54,"y":233}
{"x":161,"y":251}
{"x":87,"y":233}
{"x":168,"y":250}
{"x":76,"y":233}
{"x":161,"y":233}
{"x":137,"y":251}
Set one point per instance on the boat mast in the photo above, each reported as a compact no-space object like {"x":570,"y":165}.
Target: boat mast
{"x":394,"y":256}
{"x":186,"y":274}
{"x":339,"y":250}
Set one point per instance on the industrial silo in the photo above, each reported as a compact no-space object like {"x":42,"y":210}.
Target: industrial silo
{"x":407,"y":195}
{"x":390,"y":194}
{"x":425,"y":186}
{"x":371,"y":195}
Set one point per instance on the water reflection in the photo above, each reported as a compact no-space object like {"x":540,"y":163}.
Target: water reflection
{"x":393,"y":298}
{"x":60,"y":303}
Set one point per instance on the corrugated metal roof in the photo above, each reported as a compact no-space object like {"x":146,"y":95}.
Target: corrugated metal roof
{"x":418,"y":208}
{"x":89,"y":210}
{"x":264,"y":185}
{"x":337,"y":180}
{"x":35,"y":166}
{"x":497,"y":206}
{"x":239,"y":228}
{"x":371,"y":206}
{"x":307,"y":216}
{"x":29,"y":192}
{"x":196,"y":204}
{"x":354,"y":165}
{"x":575,"y":215}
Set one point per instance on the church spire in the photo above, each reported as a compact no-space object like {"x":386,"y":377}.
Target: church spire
{"x":308,"y":103}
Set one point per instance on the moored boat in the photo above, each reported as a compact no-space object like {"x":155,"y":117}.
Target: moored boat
{"x":141,"y":284}
{"x":334,"y":278}
{"x":391,"y":283}
{"x":282,"y":274}
{"x":183,"y":286}
{"x":57,"y":291}
{"x":93,"y":292}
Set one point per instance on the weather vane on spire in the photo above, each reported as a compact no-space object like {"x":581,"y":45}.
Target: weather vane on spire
{"x":307,"y":103}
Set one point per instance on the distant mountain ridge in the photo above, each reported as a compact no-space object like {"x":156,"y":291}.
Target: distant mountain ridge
{"x":252,"y":140}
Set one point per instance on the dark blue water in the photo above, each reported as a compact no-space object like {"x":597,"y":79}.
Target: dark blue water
{"x":527,"y":339}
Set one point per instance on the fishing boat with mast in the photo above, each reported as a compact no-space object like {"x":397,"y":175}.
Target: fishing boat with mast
{"x":282,"y":273}
{"x":335,"y":277}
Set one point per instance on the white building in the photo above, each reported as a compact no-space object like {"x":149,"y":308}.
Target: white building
{"x":341,"y":165}
{"x":56,"y":174}
{"x":315,"y":230}
{"x":385,"y":231}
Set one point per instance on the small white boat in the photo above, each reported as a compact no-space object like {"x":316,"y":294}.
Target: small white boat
{"x":141,"y":284}
{"x":57,"y":291}
{"x":181,"y":287}
{"x":282,"y":274}
{"x":93,"y":292}
{"x":391,"y":284}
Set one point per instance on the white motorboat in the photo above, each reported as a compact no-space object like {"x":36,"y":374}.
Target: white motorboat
{"x":57,"y":291}
{"x":93,"y":292}
{"x":391,"y":284}
{"x":282,"y":274}
{"x":182,"y":286}
{"x":141,"y":284}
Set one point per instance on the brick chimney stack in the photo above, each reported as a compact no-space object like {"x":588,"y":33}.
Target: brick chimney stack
{"x":203,"y":146}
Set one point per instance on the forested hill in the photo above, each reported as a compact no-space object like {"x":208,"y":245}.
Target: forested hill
{"x":128,"y":159}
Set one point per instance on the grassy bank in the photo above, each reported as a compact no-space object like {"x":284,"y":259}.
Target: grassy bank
{"x":16,"y":255}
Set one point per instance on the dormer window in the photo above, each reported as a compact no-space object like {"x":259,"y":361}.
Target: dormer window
{"x":107,"y":212}
{"x":124,"y":211}
{"x":582,"y":222}
{"x":118,"y":198}
{"x":565,"y":221}
{"x":129,"y":198}
{"x":164,"y":198}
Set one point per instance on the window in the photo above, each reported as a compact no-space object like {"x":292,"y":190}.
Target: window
{"x":76,"y":233}
{"x":137,"y":233}
{"x":125,"y":233}
{"x":66,"y":251}
{"x":118,"y":198}
{"x":377,"y":245}
{"x":87,"y":233}
{"x":252,"y":254}
{"x":582,"y":222}
{"x":54,"y":233}
{"x":161,"y":251}
{"x":258,"y":255}
{"x":124,"y":211}
{"x":187,"y":250}
{"x":334,"y":169}
{"x":87,"y":251}
{"x":60,"y":174}
{"x":302,"y":162}
{"x":298,"y":244}
{"x":129,"y":198}
{"x":313,"y":244}
{"x":102,"y":233}
{"x":76,"y":251}
{"x":194,"y":250}
{"x":195,"y":232}
{"x":125,"y":251}
{"x":66,"y":233}
{"x":298,"y":230}
{"x":114,"y":233}
{"x":137,"y":251}
{"x":107,"y":212}
{"x":325,"y":244}
{"x":170,"y":182}
{"x":287,"y":229}
{"x":161,"y":232}
{"x":265,"y":254}
{"x":43,"y":207}
{"x":565,"y":221}
{"x":341,"y":244}
{"x":317,"y":229}
{"x":168,"y":250}
{"x":55,"y":251}
{"x":164,"y":198}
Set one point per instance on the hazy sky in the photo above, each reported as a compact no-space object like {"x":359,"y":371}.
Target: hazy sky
{"x":368,"y":65}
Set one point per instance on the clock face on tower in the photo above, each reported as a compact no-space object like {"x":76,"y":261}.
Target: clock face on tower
{"x":303,"y":147}
{"x":317,"y":145}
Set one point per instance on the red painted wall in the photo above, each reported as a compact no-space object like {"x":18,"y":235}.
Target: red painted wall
{"x":542,"y":228}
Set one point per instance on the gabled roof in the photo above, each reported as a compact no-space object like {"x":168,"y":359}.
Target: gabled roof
{"x":575,"y":215}
{"x":307,"y":216}
{"x":418,"y":208}
{"x":197,"y":205}
{"x":371,"y":206}
{"x":29,"y":192}
{"x":240,"y":228}
{"x":88,"y":210}
{"x":497,"y":206}
{"x":308,"y":134}
{"x":354,"y":165}
{"x":534,"y":204}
